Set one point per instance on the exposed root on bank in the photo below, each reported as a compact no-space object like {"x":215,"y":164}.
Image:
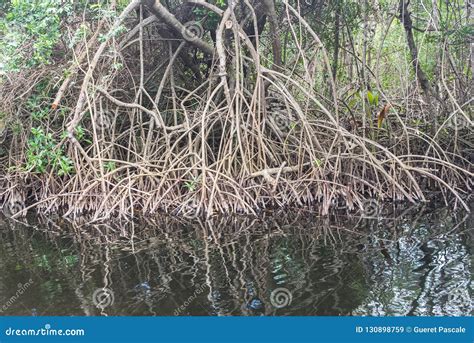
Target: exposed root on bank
{"x":247,"y":137}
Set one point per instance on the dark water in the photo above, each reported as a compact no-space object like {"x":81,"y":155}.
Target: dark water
{"x":412,"y":262}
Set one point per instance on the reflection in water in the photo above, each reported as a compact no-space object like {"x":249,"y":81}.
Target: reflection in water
{"x":413,"y":263}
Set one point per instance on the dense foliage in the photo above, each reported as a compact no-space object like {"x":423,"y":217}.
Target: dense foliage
{"x":204,"y":106}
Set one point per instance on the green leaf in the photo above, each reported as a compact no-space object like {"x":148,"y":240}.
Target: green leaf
{"x":370,"y":98}
{"x":318,"y":163}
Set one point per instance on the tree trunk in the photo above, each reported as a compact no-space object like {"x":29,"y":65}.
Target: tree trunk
{"x":470,"y":15}
{"x":274,"y":31}
{"x":337,"y":26}
{"x":405,"y":19}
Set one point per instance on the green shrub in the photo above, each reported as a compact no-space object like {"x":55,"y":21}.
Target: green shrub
{"x":30,"y":29}
{"x":43,"y":154}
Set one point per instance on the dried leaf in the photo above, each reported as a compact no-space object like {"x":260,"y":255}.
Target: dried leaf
{"x":382,"y":114}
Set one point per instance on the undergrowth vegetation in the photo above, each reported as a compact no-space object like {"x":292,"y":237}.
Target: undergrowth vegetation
{"x":195,"y":108}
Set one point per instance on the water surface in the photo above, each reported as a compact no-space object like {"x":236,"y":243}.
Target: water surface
{"x":416,"y":261}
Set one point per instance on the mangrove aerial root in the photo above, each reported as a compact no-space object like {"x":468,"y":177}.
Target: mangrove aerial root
{"x":177,"y":117}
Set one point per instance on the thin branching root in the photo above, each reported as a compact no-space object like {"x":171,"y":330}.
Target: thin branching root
{"x":160,"y":117}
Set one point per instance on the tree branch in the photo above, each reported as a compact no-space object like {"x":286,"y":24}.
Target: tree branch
{"x":207,"y":5}
{"x":405,"y":18}
{"x":160,"y":11}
